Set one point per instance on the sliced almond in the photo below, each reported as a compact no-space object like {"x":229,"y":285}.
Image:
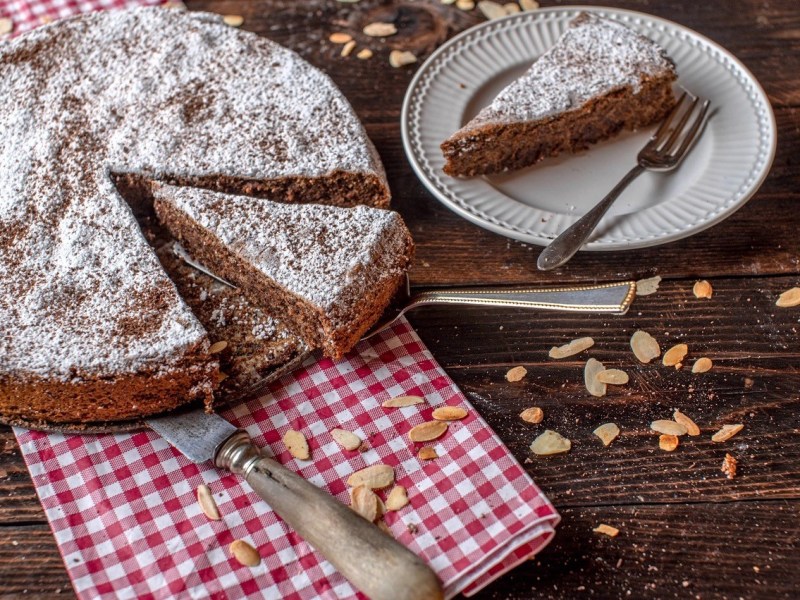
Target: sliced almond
{"x":491,"y":10}
{"x":645,"y":287}
{"x":675,"y":355}
{"x":447,"y":1}
{"x":364,"y":54}
{"x":465,"y":4}
{"x":425,"y":432}
{"x":217,"y":347}
{"x":6,"y":26}
{"x":233,"y":20}
{"x":340,"y":38}
{"x":511,"y":8}
{"x":245,"y":553}
{"x":375,"y":477}
{"x":207,"y":503}
{"x":789,"y":298}
{"x":590,"y":372}
{"x":528,"y":4}
{"x":613,"y":376}
{"x":729,"y":466}
{"x":549,"y":443}
{"x":175,"y":4}
{"x":397,"y":498}
{"x":365,"y":502}
{"x":644,"y":346}
{"x":449,"y":413}
{"x":380,"y":29}
{"x":400,"y":58}
{"x":607,"y":432}
{"x":606,"y":530}
{"x":532,"y":415}
{"x":346,"y":439}
{"x":348,"y":48}
{"x":702,"y":365}
{"x":402,"y":401}
{"x":727,"y":432}
{"x":572,"y":348}
{"x":691,"y":427}
{"x":668,"y":442}
{"x":297,"y":444}
{"x":516,"y":374}
{"x":427,"y":453}
{"x":702,"y":289}
{"x":668,"y":427}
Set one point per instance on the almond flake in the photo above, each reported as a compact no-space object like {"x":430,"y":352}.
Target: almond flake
{"x":511,"y":8}
{"x":397,"y":498}
{"x":727,"y":432}
{"x":398,"y":58}
{"x":607,"y":432}
{"x":217,"y":347}
{"x":549,"y":443}
{"x":297,"y":444}
{"x":6,"y":26}
{"x":465,"y":4}
{"x":448,"y":1}
{"x":702,"y":365}
{"x":729,"y":466}
{"x":425,"y":432}
{"x":644,"y":346}
{"x":348,"y":48}
{"x":516,"y":374}
{"x":340,"y":38}
{"x":175,"y":4}
{"x":233,"y":20}
{"x":346,"y":439}
{"x":532,"y":415}
{"x":375,"y":477}
{"x":427,"y":453}
{"x":613,"y":376}
{"x":491,"y":10}
{"x":606,"y":530}
{"x":789,"y":298}
{"x":572,"y":348}
{"x":380,"y":29}
{"x":668,"y":427}
{"x":702,"y":289}
{"x":207,"y":504}
{"x":528,"y":4}
{"x":365,"y":502}
{"x":590,"y":373}
{"x":449,"y":413}
{"x":668,"y":442}
{"x":646,"y":287}
{"x":245,"y":553}
{"x":675,"y":355}
{"x":402,"y":401}
{"x":691,"y":427}
{"x":364,"y":54}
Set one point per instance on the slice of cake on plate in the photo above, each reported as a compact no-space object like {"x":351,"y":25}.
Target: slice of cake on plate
{"x":327,"y":272}
{"x":598,"y":79}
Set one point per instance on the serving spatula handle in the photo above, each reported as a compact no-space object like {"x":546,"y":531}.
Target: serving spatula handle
{"x":371,"y":560}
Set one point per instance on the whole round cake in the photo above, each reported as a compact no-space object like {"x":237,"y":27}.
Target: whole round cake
{"x":91,"y":109}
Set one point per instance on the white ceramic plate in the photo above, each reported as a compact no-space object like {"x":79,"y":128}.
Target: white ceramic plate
{"x":725,"y":168}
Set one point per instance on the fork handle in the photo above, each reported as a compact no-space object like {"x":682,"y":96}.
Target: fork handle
{"x":564,"y":247}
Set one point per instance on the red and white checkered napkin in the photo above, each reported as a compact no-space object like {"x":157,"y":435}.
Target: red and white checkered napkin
{"x":124,"y":512}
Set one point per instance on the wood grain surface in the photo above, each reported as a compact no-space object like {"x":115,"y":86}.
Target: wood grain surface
{"x":686,"y":531}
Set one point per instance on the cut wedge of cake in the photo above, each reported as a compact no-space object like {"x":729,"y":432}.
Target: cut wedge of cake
{"x":598,"y":79}
{"x":327,"y":272}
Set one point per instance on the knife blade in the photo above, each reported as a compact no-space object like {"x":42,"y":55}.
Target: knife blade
{"x":375,"y":563}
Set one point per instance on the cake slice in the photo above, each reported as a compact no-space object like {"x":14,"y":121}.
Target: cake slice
{"x":327,"y":272}
{"x":598,"y":79}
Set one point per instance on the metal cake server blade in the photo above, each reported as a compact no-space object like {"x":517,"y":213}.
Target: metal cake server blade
{"x":375,"y":563}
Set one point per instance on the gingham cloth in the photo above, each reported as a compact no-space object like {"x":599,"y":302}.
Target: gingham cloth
{"x":123,"y":508}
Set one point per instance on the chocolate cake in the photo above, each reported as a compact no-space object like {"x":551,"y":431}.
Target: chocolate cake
{"x":598,"y":79}
{"x":93,"y":328}
{"x":328,"y":272}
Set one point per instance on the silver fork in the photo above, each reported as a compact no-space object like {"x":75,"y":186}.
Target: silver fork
{"x":663,"y":152}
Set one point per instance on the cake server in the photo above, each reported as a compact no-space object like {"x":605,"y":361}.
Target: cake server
{"x":374,"y":562}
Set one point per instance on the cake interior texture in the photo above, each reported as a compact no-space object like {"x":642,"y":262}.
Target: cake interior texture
{"x":327,"y":272}
{"x":597,"y":80}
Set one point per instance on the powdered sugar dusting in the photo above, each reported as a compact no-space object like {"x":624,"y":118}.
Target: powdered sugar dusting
{"x":161,"y":93}
{"x":594,"y":56}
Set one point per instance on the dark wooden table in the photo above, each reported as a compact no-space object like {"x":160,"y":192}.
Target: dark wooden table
{"x":685,"y":530}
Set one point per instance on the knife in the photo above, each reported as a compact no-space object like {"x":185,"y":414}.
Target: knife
{"x":374,"y":562}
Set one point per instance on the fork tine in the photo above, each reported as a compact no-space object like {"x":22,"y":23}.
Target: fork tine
{"x":663,"y":128}
{"x":691,"y":135}
{"x":678,"y":130}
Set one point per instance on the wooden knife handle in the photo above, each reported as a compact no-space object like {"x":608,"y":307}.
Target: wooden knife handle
{"x":371,"y":560}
